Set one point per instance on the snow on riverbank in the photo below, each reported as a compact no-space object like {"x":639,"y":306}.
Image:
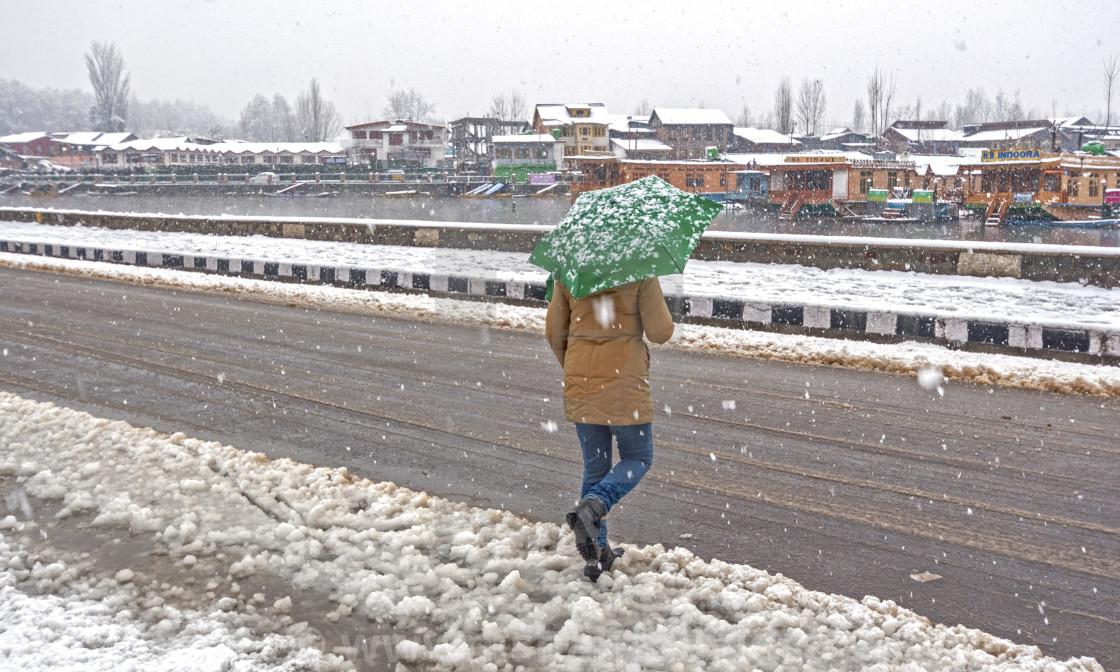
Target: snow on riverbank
{"x":458,"y":588}
{"x":1063,"y":305}
{"x":904,"y":358}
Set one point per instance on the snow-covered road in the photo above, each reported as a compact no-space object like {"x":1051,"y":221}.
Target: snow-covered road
{"x":1065,"y":305}
{"x":451,"y":587}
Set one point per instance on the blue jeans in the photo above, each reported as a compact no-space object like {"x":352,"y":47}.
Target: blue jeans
{"x":600,"y":480}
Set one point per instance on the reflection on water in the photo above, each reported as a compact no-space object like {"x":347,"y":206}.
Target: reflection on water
{"x":544,"y":211}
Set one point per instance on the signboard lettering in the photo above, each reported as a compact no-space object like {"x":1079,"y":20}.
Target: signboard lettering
{"x":815,"y":159}
{"x":1010,"y":154}
{"x":542,"y":178}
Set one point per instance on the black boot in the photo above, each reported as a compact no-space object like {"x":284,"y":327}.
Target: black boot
{"x":606,"y":559}
{"x":584,"y":521}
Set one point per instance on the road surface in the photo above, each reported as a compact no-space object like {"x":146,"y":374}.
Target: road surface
{"x":1005,"y":504}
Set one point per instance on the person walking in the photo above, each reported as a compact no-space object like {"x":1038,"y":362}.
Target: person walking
{"x":598,"y":340}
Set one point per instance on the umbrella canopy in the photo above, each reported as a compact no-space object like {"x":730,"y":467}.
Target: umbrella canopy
{"x":622,"y":234}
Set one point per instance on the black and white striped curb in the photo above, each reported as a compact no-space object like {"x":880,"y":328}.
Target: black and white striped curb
{"x":1014,"y":338}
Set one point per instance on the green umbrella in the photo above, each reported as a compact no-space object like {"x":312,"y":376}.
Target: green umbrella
{"x":622,"y":234}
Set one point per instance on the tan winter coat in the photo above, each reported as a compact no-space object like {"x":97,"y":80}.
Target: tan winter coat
{"x":598,"y":340}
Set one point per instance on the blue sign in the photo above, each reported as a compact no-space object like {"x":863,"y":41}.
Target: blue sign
{"x":1010,"y":154}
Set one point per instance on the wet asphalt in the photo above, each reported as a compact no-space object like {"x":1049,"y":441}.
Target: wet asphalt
{"x":1005,"y":504}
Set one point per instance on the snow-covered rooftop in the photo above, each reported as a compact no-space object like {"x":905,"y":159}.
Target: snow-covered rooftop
{"x":1003,"y":134}
{"x":929,"y":134}
{"x":641,"y":144}
{"x":938,"y":164}
{"x":23,"y":137}
{"x":765,"y":136}
{"x":522,"y":139}
{"x":684,"y":116}
{"x":561,"y":114}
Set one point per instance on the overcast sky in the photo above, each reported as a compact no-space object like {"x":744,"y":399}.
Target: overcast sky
{"x":672,"y":53}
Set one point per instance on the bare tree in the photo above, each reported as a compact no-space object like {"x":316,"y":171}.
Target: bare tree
{"x":410,"y":104}
{"x":859,"y":116}
{"x":976,"y":109}
{"x":880,"y":95}
{"x":1111,"y":70}
{"x":644,"y":109}
{"x":783,"y":107}
{"x":810,"y":104}
{"x":316,"y":118}
{"x":110,"y":87}
{"x":508,"y":106}
{"x":744,"y":118}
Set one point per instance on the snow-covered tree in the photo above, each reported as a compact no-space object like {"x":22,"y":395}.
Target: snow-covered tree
{"x":316,"y":118}
{"x":110,"y":87}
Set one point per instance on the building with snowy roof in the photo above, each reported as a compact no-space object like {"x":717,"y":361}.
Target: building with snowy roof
{"x":922,"y":137}
{"x":691,"y":131}
{"x":845,"y":139}
{"x":746,"y":140}
{"x":78,"y":149}
{"x":186,"y":151}
{"x":516,"y":157}
{"x":397,"y":144}
{"x":584,"y":128}
{"x":1027,"y":134}
{"x":31,"y":143}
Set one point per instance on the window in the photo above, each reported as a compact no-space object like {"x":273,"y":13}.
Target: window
{"x":247,"y":159}
{"x":1052,"y":182}
{"x":1074,"y":186}
{"x":695,"y":132}
{"x":504,"y":153}
{"x":375,"y":135}
{"x":108,"y":157}
{"x":308,"y":158}
{"x":269,"y":158}
{"x":542,"y":153}
{"x":892,"y":179}
{"x":396,"y":138}
{"x":599,"y":131}
{"x":865,"y":180}
{"x":707,"y":132}
{"x":817,"y":180}
{"x":522,"y":153}
{"x":287,"y":159}
{"x":360,"y":135}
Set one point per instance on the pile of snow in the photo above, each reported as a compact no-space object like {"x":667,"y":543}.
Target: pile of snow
{"x":460,"y":588}
{"x":904,"y":358}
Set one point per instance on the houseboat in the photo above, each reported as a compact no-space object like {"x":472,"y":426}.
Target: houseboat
{"x":834,"y":185}
{"x":1030,"y":186}
{"x":708,"y":178}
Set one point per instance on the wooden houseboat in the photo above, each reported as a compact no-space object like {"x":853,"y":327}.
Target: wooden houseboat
{"x":1028,"y":185}
{"x":710,"y":178}
{"x":833,"y":185}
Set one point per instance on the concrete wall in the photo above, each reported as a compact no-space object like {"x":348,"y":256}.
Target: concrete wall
{"x":1090,"y":266}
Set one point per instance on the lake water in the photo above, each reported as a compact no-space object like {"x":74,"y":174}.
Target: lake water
{"x":547,"y":211}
